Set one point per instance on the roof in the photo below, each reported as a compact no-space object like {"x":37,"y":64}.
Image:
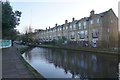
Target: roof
{"x":100,"y":14}
{"x":103,"y":13}
{"x":85,"y":18}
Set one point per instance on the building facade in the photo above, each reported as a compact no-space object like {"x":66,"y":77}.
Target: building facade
{"x":97,"y":30}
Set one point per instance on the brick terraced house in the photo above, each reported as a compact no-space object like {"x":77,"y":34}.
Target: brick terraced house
{"x":97,"y":30}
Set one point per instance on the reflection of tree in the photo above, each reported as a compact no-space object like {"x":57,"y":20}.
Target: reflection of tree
{"x":65,"y":70}
{"x":28,"y":55}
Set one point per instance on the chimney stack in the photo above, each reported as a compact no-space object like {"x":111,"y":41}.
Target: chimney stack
{"x":92,"y":12}
{"x":46,"y":28}
{"x":49,"y":27}
{"x":56,"y":24}
{"x":73,"y":19}
{"x":66,"y":21}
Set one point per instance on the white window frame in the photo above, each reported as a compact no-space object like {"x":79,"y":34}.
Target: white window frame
{"x":63,"y":27}
{"x":85,"y":23}
{"x":60,"y":29}
{"x":91,"y":21}
{"x":73,"y":35}
{"x":79,"y":26}
{"x":82,"y":33}
{"x":74,"y":26}
{"x":95,"y":31}
{"x":98,"y":20}
{"x":64,"y":34}
{"x":66,"y":27}
{"x":71,"y":27}
{"x":86,"y":32}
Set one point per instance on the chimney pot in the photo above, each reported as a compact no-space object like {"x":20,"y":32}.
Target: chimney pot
{"x":56,"y":24}
{"x":66,"y":21}
{"x":73,"y":19}
{"x":92,"y":12}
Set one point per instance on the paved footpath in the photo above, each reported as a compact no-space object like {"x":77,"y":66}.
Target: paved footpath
{"x":12,"y":67}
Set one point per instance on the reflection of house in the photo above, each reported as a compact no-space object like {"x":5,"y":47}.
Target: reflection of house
{"x":97,"y":30}
{"x":82,"y":65}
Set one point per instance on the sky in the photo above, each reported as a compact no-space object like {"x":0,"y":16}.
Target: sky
{"x":44,"y":13}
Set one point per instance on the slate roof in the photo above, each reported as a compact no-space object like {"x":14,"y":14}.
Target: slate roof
{"x":85,"y":18}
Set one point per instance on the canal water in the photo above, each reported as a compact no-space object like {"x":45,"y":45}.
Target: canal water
{"x":60,"y":63}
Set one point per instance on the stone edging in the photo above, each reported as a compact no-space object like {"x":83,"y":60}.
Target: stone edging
{"x":30,"y":68}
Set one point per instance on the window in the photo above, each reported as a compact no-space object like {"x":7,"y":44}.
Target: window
{"x":72,"y":35}
{"x":63,"y":28}
{"x":86,"y":32}
{"x":59,"y":35}
{"x":70,"y":27}
{"x":60,"y":29}
{"x":79,"y":26}
{"x":66,"y":27}
{"x":95,"y":33}
{"x":98,"y":20}
{"x":82,"y":35}
{"x":49,"y":38}
{"x":74,"y":26}
{"x":46,"y":38}
{"x":64,"y":34}
{"x":91,"y":21}
{"x":84,"y":25}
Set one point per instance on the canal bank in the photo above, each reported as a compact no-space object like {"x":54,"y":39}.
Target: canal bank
{"x":96,"y":50}
{"x":14,"y":66}
{"x":29,"y":67}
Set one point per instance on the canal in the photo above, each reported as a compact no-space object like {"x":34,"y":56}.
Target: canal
{"x":60,"y":63}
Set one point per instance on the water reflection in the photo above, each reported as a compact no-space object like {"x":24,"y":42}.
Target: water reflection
{"x":57,"y":63}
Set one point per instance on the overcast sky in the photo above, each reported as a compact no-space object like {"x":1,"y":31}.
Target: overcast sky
{"x":45,"y":13}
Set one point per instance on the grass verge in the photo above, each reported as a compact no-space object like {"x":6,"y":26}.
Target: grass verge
{"x":83,"y":49}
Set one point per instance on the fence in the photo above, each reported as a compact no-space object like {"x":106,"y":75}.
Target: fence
{"x":5,"y":43}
